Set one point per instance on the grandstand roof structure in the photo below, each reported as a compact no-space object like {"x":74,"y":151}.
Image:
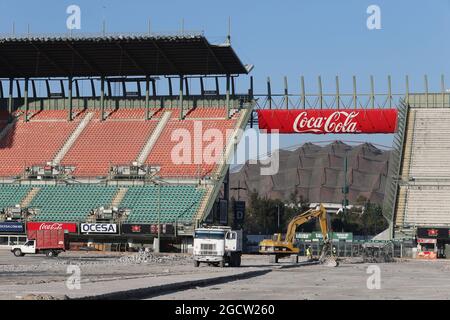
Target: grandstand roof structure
{"x":115,"y":55}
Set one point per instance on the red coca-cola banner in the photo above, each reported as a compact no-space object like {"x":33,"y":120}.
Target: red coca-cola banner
{"x":70,"y":227}
{"x":322,"y":121}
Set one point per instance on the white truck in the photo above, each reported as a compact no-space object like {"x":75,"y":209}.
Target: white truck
{"x":217,"y":246}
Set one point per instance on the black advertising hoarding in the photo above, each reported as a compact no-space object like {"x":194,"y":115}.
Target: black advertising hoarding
{"x":142,"y":229}
{"x":433,"y":233}
{"x":136,"y":228}
{"x":239,"y":211}
{"x":223,"y":212}
{"x":210,"y":217}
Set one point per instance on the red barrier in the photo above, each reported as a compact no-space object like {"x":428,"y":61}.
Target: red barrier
{"x":322,"y":121}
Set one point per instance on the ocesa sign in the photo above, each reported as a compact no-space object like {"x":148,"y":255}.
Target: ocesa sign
{"x":98,"y":228}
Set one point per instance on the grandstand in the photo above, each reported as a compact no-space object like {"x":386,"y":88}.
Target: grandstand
{"x":67,"y":154}
{"x":422,"y":197}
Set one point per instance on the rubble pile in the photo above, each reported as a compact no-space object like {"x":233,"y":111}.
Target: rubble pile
{"x":150,"y":257}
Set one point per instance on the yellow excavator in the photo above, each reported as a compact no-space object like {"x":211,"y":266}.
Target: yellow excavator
{"x":278,"y":248}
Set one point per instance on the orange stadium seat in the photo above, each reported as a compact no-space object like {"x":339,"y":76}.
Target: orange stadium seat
{"x":107,"y":143}
{"x":161,"y":152}
{"x":32,"y":143}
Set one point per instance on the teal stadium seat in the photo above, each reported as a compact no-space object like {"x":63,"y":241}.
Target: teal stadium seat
{"x":10,"y":195}
{"x":70,"y":203}
{"x":178,"y":203}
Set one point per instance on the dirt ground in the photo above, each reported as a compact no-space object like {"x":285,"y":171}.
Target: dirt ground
{"x":406,"y":279}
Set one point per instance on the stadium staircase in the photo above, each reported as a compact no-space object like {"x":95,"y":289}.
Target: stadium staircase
{"x":154,"y":137}
{"x":29,"y":197}
{"x":74,"y":136}
{"x":6,"y":129}
{"x":119,"y":197}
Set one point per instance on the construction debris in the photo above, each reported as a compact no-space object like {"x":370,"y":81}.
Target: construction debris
{"x":378,"y":252}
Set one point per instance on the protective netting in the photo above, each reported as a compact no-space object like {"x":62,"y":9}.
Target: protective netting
{"x":317,"y":174}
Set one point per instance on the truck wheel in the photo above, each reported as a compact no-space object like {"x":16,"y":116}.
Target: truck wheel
{"x":50,"y":253}
{"x":18,"y":253}
{"x":232,"y":261}
{"x":222,"y":264}
{"x":238,"y":260}
{"x":196,"y":263}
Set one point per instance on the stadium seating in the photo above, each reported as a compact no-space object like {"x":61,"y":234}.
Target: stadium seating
{"x":431,"y":144}
{"x":107,"y":143}
{"x":32,"y":143}
{"x":178,"y":203}
{"x":70,"y":203}
{"x":11,"y":195}
{"x":424,"y":199}
{"x":49,"y":115}
{"x":161,"y":154}
{"x":428,"y":206}
{"x":200,"y":113}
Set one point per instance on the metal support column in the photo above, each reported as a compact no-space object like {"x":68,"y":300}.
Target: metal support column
{"x":320,"y":92}
{"x":251,"y":87}
{"x":180,"y":98}
{"x":390,"y":92}
{"x":170,"y":91}
{"x":407,"y":89}
{"x":10,"y":99}
{"x":70,"y":99}
{"x":355,"y":98}
{"x":147,"y":97}
{"x":102,"y":97}
{"x":286,"y":94}
{"x":338,"y":96}
{"x":303,"y":96}
{"x":443,"y":90}
{"x":228,"y":96}
{"x":25,"y":101}
{"x":269,"y":93}
{"x":372,"y":92}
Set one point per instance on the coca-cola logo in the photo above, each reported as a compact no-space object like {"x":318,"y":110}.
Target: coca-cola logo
{"x":52,"y":226}
{"x":336,"y":122}
{"x":70,"y":227}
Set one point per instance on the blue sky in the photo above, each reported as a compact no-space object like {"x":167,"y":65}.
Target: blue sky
{"x":290,"y":37}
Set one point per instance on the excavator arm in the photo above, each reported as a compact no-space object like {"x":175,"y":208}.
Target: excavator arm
{"x":279,"y":248}
{"x":304,"y":217}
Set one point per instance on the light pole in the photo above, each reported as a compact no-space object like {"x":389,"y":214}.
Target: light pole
{"x":159,"y":217}
{"x":278,"y":209}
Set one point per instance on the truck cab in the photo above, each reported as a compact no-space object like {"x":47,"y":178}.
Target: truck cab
{"x":217,"y":246}
{"x":28,"y":247}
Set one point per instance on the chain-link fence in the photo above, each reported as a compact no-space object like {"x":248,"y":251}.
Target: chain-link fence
{"x":400,"y":249}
